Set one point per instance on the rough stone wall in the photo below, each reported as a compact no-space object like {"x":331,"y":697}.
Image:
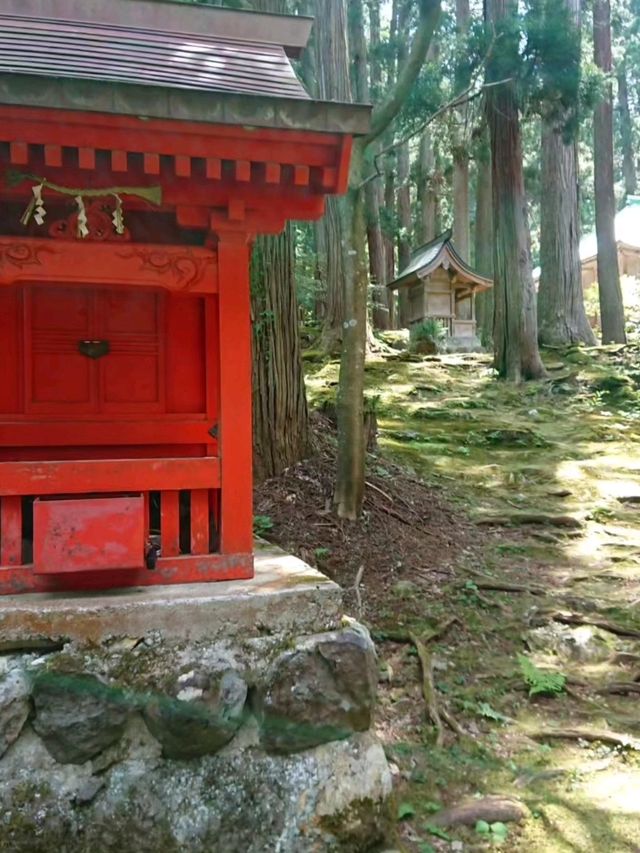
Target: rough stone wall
{"x":137,"y":744}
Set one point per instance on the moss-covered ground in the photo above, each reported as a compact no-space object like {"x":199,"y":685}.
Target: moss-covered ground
{"x":549,"y":472}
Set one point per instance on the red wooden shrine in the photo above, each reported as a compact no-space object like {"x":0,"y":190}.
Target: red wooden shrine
{"x":125,"y":336}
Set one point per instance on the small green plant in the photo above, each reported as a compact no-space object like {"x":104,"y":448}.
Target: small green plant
{"x":321,"y":553}
{"x":405,"y":811}
{"x":484,"y":709}
{"x":539,"y":682}
{"x":602,"y":514}
{"x":262,"y":524}
{"x":437,"y":832}
{"x":497,"y":831}
{"x":429,"y":331}
{"x":372,"y":404}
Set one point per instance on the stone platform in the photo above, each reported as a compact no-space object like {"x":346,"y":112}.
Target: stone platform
{"x":218,"y":717}
{"x":284,"y":595}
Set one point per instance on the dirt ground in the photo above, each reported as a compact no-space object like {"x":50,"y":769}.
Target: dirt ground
{"x":501,"y":531}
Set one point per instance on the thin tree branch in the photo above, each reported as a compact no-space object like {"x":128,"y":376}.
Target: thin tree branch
{"x":383,"y":115}
{"x":462,"y":98}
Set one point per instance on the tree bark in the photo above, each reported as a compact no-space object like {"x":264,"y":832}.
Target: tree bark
{"x":331,"y":55}
{"x":561,"y":316}
{"x":626,"y":131}
{"x":349,"y":490}
{"x":280,"y":420}
{"x":386,"y":225}
{"x":403,"y":189}
{"x":484,"y":246}
{"x":403,"y":209}
{"x":428,"y":182}
{"x":611,"y":307}
{"x":515,"y":331}
{"x":362,"y":93}
{"x":461,"y":226}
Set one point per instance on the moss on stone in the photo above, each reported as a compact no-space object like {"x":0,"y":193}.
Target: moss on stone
{"x":364,"y":827}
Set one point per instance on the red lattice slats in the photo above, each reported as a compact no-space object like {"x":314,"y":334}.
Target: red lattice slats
{"x":170,"y":523}
{"x":200,"y":521}
{"x":10,"y":531}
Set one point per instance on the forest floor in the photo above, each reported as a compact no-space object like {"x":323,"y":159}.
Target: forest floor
{"x":499,"y":555}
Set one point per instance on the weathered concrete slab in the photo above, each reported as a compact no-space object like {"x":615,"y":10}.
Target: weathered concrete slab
{"x":285,"y":596}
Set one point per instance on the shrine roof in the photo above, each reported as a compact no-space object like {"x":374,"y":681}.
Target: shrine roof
{"x":439,"y":252}
{"x":163,"y":60}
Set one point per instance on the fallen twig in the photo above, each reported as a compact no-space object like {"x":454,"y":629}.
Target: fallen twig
{"x":379,"y":490}
{"x":591,"y":735}
{"x":356,"y":589}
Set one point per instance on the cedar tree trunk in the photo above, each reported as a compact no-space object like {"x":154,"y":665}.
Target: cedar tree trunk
{"x":461,"y":227}
{"x":484,"y":246}
{"x":515,"y":331}
{"x":561,"y":315}
{"x":280,"y":421}
{"x":333,"y":84}
{"x":626,"y":132}
{"x":611,"y":307}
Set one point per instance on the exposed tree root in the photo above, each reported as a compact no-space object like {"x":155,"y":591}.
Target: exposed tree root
{"x":619,"y":688}
{"x":525,"y":519}
{"x":407,"y":637}
{"x":489,"y":809}
{"x":428,"y":688}
{"x":504,"y":586}
{"x":591,"y":735}
{"x":489,"y":603}
{"x":568,"y":618}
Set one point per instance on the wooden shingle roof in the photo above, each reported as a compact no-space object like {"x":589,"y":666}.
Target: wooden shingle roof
{"x":162,"y":59}
{"x":439,"y":252}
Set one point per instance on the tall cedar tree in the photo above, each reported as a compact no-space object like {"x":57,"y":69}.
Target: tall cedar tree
{"x":515,"y":330}
{"x":626,"y":130}
{"x":331,"y":59}
{"x":561,"y":314}
{"x":362,"y":93}
{"x":611,"y":307}
{"x":484,"y":239}
{"x":461,"y":225}
{"x":350,"y":474}
{"x":280,"y":418}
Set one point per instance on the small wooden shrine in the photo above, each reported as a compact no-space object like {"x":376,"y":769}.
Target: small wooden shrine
{"x":439,"y":284}
{"x":143,"y":145}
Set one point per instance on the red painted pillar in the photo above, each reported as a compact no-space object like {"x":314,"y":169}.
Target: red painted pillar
{"x":235,"y":426}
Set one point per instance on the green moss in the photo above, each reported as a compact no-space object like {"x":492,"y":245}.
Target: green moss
{"x":364,"y":827}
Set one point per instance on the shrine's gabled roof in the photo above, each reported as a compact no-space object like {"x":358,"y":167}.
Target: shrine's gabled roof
{"x":439,"y":252}
{"x":164,"y":60}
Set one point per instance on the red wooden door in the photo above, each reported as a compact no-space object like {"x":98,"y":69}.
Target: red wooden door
{"x":67,"y":327}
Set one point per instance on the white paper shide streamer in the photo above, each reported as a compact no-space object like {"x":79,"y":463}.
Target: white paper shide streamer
{"x":39,"y":211}
{"x":83,"y":229}
{"x":118,"y":216}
